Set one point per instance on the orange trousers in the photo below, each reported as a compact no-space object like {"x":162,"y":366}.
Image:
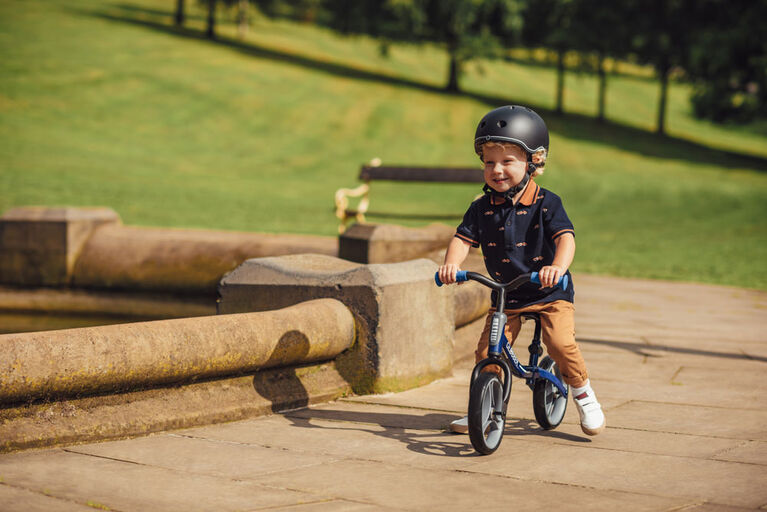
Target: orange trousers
{"x":557,"y":334}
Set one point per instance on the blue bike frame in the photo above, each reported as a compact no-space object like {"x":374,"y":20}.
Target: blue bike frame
{"x":498,"y":341}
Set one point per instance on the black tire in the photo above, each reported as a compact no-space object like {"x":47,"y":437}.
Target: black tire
{"x":487,"y":413}
{"x":549,"y":404}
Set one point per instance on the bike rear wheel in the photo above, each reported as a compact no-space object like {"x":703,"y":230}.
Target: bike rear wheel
{"x":549,"y":405}
{"x":487,"y":413}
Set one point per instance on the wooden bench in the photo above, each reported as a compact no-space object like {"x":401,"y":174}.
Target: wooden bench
{"x":373,"y":172}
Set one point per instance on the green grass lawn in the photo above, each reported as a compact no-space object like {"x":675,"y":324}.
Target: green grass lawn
{"x":105,"y":103}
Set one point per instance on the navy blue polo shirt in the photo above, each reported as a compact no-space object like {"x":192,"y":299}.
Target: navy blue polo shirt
{"x":516,"y":239}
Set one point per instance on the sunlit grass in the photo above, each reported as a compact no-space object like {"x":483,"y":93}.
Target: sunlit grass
{"x":105,"y":105}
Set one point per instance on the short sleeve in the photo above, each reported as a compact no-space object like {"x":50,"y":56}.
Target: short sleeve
{"x":468,"y":230}
{"x":555,"y":219}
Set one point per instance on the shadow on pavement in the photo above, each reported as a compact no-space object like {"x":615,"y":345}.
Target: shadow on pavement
{"x":432,"y":438}
{"x":641,"y":348}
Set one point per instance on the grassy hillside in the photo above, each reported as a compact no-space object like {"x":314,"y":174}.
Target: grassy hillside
{"x":105,"y":103}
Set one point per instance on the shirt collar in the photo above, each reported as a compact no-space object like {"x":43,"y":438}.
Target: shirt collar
{"x":530,"y":194}
{"x":528,"y":197}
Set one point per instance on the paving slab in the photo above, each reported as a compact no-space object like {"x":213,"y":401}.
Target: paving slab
{"x":731,"y":423}
{"x":408,"y":488}
{"x":121,"y":485}
{"x":212,"y":457}
{"x":749,"y":452}
{"x":658,"y":475}
{"x":351,"y":434}
{"x":681,"y":381}
{"x":15,"y":499}
{"x":335,"y":506}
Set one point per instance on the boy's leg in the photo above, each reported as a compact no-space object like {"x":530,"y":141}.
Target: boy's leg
{"x":558,"y":334}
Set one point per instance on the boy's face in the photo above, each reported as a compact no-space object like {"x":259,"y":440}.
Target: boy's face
{"x":505,"y":166}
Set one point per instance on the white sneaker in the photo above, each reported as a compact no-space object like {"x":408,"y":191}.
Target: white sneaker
{"x":460,"y":426}
{"x":592,"y":417}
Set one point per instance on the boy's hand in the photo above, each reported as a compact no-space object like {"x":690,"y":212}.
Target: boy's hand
{"x":447,"y":273}
{"x":550,"y":275}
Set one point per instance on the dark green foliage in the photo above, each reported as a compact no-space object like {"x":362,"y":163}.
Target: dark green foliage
{"x":468,"y":29}
{"x":298,"y":10}
{"x":728,"y":60}
{"x":662,"y":32}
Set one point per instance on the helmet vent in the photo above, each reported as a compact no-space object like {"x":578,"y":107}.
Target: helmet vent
{"x":501,"y":124}
{"x":482,"y":124}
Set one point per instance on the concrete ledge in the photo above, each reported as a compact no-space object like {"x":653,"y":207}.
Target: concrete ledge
{"x":40,"y":245}
{"x":143,"y":412}
{"x":76,"y":362}
{"x":173,"y":260}
{"x":149,"y":305}
{"x":405,"y":327}
{"x":90,"y":248}
{"x":387,"y":243}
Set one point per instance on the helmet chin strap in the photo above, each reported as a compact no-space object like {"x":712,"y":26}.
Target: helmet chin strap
{"x":509,"y":194}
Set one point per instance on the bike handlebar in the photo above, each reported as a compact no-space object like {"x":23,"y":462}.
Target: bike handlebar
{"x":532,"y":277}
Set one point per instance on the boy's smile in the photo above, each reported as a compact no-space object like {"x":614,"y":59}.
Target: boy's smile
{"x":505,"y":166}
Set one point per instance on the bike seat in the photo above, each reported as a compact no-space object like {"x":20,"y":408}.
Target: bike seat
{"x":531,"y":316}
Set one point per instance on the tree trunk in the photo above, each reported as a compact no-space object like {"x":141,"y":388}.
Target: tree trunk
{"x":560,"y":81}
{"x":211,"y":31}
{"x":179,"y":12}
{"x":453,"y":73}
{"x":661,"y":127}
{"x":602,"y":87}
{"x":242,"y":18}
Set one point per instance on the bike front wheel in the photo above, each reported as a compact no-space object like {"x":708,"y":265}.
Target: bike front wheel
{"x":549,"y":405}
{"x":487,"y":413}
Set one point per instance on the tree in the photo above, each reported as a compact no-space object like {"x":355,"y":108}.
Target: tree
{"x":242,"y":18}
{"x":663,"y":30}
{"x":210,"y":31}
{"x":548,"y":23}
{"x":598,"y":29}
{"x":242,"y":15}
{"x":299,"y":10}
{"x":179,"y":16}
{"x":468,"y":29}
{"x":728,"y":60}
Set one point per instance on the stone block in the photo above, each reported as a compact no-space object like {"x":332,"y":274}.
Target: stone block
{"x":404,"y":322}
{"x":387,"y":243}
{"x":39,"y":246}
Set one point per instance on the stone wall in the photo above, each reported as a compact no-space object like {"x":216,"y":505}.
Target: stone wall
{"x":405,"y":323}
{"x":118,"y":358}
{"x":91,"y":248}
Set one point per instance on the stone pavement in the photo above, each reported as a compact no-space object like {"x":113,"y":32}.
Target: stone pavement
{"x":679,"y":368}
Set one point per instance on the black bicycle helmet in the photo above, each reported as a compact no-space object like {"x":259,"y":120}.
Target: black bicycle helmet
{"x":516,"y":124}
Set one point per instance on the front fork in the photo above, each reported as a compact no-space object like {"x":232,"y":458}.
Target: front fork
{"x":498,"y":341}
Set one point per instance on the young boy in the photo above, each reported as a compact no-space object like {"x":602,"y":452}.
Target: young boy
{"x":521,"y":228}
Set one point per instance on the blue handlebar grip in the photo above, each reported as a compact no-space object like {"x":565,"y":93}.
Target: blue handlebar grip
{"x":562,"y":280}
{"x":459,"y":276}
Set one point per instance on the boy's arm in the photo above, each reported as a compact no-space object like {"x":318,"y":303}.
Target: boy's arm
{"x":456,"y":253}
{"x":563,"y":257}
